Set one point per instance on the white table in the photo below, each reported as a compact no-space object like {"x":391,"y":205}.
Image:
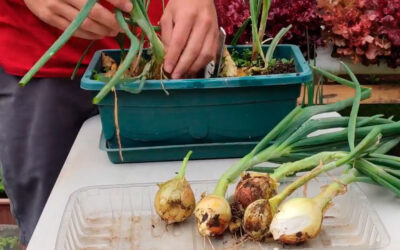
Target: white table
{"x":88,"y":166}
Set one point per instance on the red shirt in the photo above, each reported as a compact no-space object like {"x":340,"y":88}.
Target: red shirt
{"x":24,"y":38}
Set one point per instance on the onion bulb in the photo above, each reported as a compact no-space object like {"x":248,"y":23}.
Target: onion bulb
{"x":237,"y":216}
{"x":252,"y":187}
{"x":297,"y":221}
{"x":213,"y":215}
{"x":257,"y":218}
{"x":174,"y":201}
{"x":300,"y":219}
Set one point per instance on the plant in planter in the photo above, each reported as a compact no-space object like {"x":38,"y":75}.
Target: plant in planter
{"x":228,"y":114}
{"x":234,"y":17}
{"x":255,"y":62}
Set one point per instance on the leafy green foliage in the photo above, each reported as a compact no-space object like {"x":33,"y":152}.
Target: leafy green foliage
{"x":8,"y":242}
{"x":244,"y":59}
{"x":287,"y":61}
{"x":2,"y":189}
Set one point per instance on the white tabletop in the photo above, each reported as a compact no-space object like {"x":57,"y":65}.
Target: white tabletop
{"x":87,"y":165}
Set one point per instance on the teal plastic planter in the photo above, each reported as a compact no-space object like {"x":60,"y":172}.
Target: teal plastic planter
{"x":199,"y":111}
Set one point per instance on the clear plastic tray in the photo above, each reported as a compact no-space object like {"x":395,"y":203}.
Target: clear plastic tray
{"x":123,"y":217}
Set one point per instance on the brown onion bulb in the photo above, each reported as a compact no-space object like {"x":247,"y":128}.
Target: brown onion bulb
{"x":213,"y":215}
{"x":252,"y":187}
{"x":174,"y":201}
{"x":257,"y":218}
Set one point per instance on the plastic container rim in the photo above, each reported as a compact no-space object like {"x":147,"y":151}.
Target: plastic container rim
{"x":386,"y":238}
{"x":303,"y":75}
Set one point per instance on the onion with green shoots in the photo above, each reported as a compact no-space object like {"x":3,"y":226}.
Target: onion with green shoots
{"x":258,"y":215}
{"x":255,"y":215}
{"x":300,"y":219}
{"x":174,"y":201}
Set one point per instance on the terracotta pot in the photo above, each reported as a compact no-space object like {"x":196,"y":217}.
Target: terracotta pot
{"x":5,"y":212}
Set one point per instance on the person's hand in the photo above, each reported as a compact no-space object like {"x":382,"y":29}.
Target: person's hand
{"x":189,"y":32}
{"x":60,"y":13}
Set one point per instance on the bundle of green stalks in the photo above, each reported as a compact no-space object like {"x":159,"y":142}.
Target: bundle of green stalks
{"x":290,"y":141}
{"x":259,"y":63}
{"x":129,"y":61}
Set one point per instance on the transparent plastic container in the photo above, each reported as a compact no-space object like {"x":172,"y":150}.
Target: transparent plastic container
{"x":123,"y":218}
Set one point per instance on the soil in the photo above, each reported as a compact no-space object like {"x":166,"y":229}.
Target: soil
{"x":282,"y":68}
{"x":109,"y":67}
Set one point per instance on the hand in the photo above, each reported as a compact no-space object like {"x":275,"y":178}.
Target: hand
{"x":189,"y":32}
{"x":59,"y":13}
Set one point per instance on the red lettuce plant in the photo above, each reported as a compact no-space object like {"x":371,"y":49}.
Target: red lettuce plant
{"x":302,"y":14}
{"x":231,"y":16}
{"x":364,"y":30}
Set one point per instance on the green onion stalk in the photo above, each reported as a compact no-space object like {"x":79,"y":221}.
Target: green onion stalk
{"x":139,"y":17}
{"x":258,"y":35}
{"x":274,"y":43}
{"x":65,"y":36}
{"x":383,"y":169}
{"x":300,"y":219}
{"x":258,"y":215}
{"x":133,"y":50}
{"x":254,"y":12}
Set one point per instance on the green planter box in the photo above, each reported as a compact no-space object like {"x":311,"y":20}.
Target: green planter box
{"x":199,"y":111}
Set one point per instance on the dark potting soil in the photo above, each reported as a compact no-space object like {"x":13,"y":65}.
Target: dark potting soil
{"x":282,"y":68}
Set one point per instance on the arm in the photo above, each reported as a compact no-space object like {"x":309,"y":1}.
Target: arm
{"x":60,"y":13}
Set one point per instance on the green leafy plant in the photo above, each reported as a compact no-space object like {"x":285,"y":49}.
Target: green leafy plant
{"x":8,"y":242}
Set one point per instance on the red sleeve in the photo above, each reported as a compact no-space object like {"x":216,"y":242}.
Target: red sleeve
{"x":24,"y":38}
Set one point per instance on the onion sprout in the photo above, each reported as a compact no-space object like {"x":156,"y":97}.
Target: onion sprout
{"x":65,"y":36}
{"x":133,"y":50}
{"x":174,"y":201}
